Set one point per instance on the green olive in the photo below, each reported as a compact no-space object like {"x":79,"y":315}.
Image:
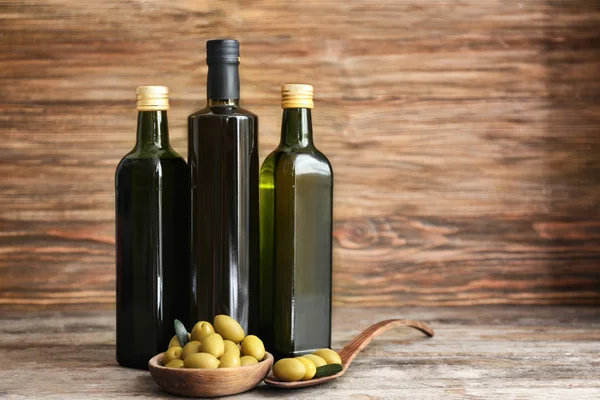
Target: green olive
{"x":319,"y":362}
{"x":201,"y":330}
{"x":174,"y":353}
{"x":330,"y":356}
{"x":229,"y":360}
{"x":289,"y":370}
{"x":231,"y":347}
{"x":311,"y":368}
{"x":201,"y":360}
{"x":229,"y":329}
{"x":175,"y":364}
{"x":175,"y":341}
{"x":253,"y":346}
{"x":190,"y":348}
{"x":213,"y":344}
{"x":248,"y":360}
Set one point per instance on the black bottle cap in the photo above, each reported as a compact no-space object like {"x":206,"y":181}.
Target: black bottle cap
{"x":222,"y":51}
{"x":223,"y":58}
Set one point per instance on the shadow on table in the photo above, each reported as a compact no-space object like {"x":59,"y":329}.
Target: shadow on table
{"x":144,"y":384}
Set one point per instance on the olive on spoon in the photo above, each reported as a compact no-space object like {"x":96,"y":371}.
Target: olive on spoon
{"x":351,"y":350}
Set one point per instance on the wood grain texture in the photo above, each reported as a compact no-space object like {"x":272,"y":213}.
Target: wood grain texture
{"x":463,"y":135}
{"x":484,"y":352}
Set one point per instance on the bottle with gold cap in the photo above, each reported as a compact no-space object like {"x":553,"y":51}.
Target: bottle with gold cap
{"x":152,"y":236}
{"x":296,"y":194}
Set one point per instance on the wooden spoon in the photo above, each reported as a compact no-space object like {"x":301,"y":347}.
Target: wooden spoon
{"x":351,"y":350}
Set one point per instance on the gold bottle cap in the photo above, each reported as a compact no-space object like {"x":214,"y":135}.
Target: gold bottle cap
{"x":152,"y":98}
{"x":297,"y":96}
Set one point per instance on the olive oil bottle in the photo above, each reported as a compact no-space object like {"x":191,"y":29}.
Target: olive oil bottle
{"x":152,"y":236}
{"x":296,"y":194}
{"x":223,"y":159}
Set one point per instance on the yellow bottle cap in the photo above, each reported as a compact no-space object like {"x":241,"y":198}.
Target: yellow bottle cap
{"x":297,"y":96}
{"x":152,"y":98}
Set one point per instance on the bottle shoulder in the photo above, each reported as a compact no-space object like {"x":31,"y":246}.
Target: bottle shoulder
{"x":137,"y":159}
{"x":152,"y":152}
{"x":308,"y":161}
{"x":322,"y":157}
{"x":245,"y":111}
{"x":295,"y":152}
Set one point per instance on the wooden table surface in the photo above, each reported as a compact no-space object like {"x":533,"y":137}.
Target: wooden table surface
{"x":499,"y":351}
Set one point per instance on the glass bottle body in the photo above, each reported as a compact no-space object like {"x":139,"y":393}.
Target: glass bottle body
{"x":296,"y":193}
{"x":223,"y":158}
{"x":152,"y":234}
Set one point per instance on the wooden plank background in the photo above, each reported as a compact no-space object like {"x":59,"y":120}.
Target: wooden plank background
{"x":464,"y":137}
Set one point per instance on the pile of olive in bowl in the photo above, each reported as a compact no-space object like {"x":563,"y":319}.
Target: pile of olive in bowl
{"x":307,"y":367}
{"x":222,"y":344}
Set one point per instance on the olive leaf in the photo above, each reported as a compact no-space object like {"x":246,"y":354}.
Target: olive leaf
{"x":327,"y":370}
{"x":181,"y":332}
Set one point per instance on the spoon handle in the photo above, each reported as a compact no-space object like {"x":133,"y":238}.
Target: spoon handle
{"x":351,"y":350}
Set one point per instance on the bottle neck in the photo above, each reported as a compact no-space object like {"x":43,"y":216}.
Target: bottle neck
{"x":152,"y":129}
{"x":296,"y":127}
{"x":223,"y":83}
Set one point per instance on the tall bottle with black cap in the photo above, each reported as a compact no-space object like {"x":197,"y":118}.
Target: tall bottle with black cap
{"x":223,"y":160}
{"x":152,"y":233}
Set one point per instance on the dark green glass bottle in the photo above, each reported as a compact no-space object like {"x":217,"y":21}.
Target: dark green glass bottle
{"x":223,"y":159}
{"x":296,"y":194}
{"x":152,"y":236}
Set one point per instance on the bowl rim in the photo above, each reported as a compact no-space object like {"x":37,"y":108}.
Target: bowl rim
{"x":157,"y":358}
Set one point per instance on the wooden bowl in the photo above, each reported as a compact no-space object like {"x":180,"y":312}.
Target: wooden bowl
{"x":209,"y":382}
